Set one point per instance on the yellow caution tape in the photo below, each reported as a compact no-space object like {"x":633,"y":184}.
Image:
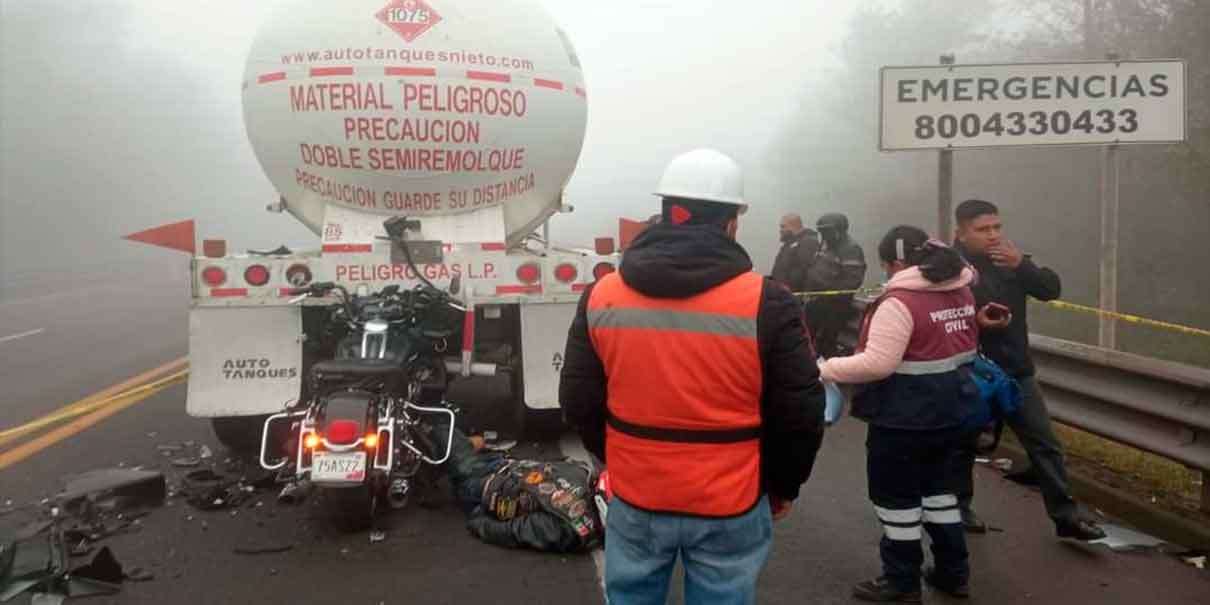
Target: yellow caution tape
{"x":823,"y":293}
{"x":1126,"y":317}
{"x":1056,"y":304}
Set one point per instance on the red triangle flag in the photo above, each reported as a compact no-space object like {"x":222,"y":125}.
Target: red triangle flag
{"x":178,"y":236}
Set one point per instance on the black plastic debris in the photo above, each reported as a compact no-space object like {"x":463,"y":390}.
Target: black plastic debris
{"x":117,"y":488}
{"x":103,"y":568}
{"x":34,"y":560}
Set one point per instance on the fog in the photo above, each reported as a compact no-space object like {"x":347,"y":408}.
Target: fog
{"x":119,"y":115}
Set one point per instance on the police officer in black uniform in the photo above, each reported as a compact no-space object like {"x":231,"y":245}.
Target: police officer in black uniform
{"x":840,"y":265}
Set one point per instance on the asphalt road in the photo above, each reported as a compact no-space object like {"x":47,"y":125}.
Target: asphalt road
{"x":828,"y":544}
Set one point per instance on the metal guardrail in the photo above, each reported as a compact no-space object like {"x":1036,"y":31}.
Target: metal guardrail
{"x":1158,"y":406}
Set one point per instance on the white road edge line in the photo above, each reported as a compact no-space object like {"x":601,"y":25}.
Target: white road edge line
{"x":22,"y":335}
{"x":571,"y":447}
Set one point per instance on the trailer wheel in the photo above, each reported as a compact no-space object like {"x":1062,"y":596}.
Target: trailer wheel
{"x":240,"y":434}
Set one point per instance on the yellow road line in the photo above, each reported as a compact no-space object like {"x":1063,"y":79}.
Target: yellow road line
{"x":79,"y":425}
{"x":92,"y":401}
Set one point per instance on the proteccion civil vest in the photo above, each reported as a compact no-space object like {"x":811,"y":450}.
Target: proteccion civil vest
{"x":684,"y":383}
{"x":932,"y":388}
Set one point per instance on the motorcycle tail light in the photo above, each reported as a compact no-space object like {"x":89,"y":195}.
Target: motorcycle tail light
{"x":311,"y":441}
{"x":371,"y":441}
{"x":343,"y":432}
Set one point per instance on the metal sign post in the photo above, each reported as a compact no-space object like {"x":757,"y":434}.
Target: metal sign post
{"x":945,"y":184}
{"x":1107,"y":327}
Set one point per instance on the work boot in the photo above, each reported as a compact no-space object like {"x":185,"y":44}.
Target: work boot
{"x":958,"y":590}
{"x":1078,"y":529}
{"x":880,"y":590}
{"x":971,"y":521}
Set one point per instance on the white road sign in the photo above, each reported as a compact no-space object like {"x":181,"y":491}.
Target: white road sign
{"x":1090,"y":103}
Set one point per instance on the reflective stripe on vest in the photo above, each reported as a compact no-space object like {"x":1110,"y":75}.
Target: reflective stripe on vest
{"x":684,"y":388}
{"x":937,"y":366}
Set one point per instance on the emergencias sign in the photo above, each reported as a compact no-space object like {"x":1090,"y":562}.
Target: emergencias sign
{"x":1088,"y":103}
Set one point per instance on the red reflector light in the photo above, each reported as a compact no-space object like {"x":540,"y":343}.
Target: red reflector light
{"x":343,"y":432}
{"x":298,"y":275}
{"x":602,"y":269}
{"x":214,"y":276}
{"x":529,"y":273}
{"x":566,"y":273}
{"x":256,"y":275}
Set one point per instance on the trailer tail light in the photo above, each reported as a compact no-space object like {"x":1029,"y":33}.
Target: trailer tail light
{"x":214,"y":276}
{"x":566,"y":273}
{"x":256,"y":275}
{"x":299,"y":276}
{"x":601,"y":270}
{"x":529,"y":273}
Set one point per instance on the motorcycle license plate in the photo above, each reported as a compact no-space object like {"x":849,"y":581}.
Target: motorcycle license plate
{"x":335,"y":467}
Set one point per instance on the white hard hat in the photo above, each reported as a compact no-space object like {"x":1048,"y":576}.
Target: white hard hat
{"x":706,"y":175}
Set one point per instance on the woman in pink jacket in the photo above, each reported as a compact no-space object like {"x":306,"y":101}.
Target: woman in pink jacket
{"x":913,"y":364}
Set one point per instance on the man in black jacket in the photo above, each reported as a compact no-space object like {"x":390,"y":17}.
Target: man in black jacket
{"x":671,"y":277}
{"x":1007,"y":277}
{"x":840,"y":265}
{"x":799,"y":247}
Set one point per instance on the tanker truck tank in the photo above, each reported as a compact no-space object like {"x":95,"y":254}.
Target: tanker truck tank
{"x":466,"y":114}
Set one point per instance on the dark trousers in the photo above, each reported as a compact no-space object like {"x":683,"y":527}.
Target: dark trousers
{"x":911,"y":482}
{"x":1033,"y":429}
{"x":826,"y":318}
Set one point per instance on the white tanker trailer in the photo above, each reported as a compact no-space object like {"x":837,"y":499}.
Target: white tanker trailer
{"x":467,"y":117}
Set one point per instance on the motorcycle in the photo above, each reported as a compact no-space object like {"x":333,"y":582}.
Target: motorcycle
{"x":366,"y":434}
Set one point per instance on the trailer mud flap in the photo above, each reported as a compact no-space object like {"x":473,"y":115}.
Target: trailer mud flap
{"x":244,"y":361}
{"x":544,"y":329}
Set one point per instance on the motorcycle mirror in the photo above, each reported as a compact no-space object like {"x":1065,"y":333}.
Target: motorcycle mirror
{"x":456,"y":284}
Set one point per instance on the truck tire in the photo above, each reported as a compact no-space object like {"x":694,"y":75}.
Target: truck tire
{"x":240,"y":434}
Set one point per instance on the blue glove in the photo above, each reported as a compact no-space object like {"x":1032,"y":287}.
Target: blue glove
{"x":835,"y":403}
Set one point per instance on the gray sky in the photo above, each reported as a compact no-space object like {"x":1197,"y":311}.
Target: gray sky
{"x":116,"y":115}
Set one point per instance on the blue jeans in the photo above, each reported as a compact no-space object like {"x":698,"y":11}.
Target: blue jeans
{"x":722,"y":557}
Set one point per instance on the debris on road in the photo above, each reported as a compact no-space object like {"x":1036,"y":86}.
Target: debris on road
{"x":1120,"y":539}
{"x":265,"y":549}
{"x":377,"y":536}
{"x":295,"y":493}
{"x":114,"y":489}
